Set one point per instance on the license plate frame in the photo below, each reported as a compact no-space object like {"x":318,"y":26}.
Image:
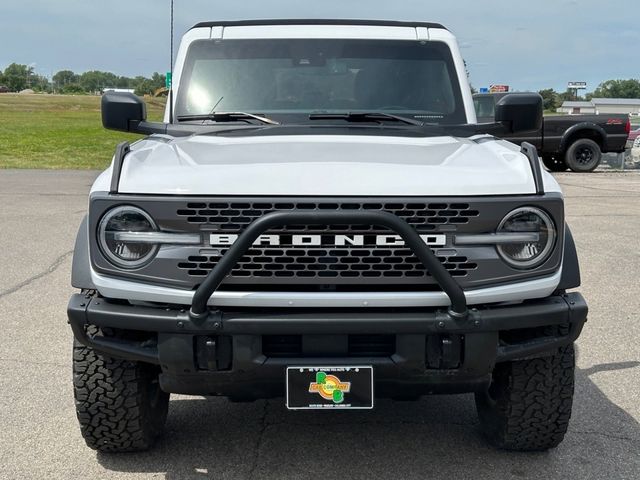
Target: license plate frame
{"x":315,"y":387}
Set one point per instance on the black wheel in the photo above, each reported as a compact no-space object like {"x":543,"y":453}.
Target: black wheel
{"x":554,"y":164}
{"x":583,"y":155}
{"x":119,"y":404}
{"x":528,"y":405}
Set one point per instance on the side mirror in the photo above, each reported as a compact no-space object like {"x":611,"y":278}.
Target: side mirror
{"x":520,"y":112}
{"x":122,"y":111}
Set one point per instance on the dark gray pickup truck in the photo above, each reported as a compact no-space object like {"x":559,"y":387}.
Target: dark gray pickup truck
{"x":574,"y":142}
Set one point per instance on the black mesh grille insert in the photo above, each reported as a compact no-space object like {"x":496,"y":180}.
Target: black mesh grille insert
{"x":327,"y":263}
{"x":233,"y":217}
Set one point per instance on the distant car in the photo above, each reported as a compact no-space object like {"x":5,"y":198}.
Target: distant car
{"x":574,"y":142}
{"x":633,"y":145}
{"x":634,"y":138}
{"x":4,"y":89}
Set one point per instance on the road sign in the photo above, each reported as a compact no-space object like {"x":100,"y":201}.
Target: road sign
{"x":499,"y":88}
{"x":577,"y":85}
{"x":167,"y":80}
{"x":484,"y":90}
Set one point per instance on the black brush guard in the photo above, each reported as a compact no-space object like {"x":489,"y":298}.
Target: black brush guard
{"x":228,"y":262}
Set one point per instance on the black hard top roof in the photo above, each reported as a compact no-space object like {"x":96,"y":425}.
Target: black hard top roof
{"x":316,"y":21}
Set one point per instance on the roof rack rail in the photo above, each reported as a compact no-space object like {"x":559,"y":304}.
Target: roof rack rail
{"x":317,"y":21}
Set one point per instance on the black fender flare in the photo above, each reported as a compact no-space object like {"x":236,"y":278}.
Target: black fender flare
{"x":570,"y":277}
{"x":81,"y":265}
{"x":584,"y":126}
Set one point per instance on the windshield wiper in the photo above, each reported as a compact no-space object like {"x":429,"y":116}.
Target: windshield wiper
{"x":227,"y":117}
{"x":364,"y":117}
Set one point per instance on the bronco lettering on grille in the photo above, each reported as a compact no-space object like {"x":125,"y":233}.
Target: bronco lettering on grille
{"x":222,"y":240}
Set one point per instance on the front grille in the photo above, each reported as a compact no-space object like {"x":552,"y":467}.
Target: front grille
{"x":231,"y":217}
{"x":319,"y":263}
{"x":327,"y":263}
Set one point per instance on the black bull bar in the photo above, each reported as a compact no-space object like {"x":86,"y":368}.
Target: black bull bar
{"x":207,"y":288}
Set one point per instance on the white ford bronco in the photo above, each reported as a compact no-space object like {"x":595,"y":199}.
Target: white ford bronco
{"x":320,"y":217}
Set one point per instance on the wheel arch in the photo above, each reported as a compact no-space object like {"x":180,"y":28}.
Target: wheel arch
{"x":587,"y":130}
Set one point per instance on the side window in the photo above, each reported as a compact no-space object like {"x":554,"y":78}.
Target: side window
{"x":485,"y":108}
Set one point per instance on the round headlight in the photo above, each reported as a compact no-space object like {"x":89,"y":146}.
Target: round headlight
{"x":126,"y":253}
{"x":528,"y":253}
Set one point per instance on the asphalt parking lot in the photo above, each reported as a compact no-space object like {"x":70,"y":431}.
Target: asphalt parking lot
{"x":436,"y":437}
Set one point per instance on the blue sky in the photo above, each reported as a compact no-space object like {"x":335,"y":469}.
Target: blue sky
{"x":526,"y":44}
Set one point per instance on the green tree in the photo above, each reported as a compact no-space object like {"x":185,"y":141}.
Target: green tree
{"x":466,"y":69}
{"x":65,"y":77}
{"x":144,"y":86}
{"x":95,"y":80}
{"x":17,"y":76}
{"x":73,"y":89}
{"x":148,"y":86}
{"x":569,"y":95}
{"x":158,"y":80}
{"x":618,"y":89}
{"x":125,"y":82}
{"x":550,"y":99}
{"x":40,"y":83}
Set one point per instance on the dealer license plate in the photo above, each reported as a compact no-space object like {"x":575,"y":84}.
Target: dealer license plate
{"x":319,"y":388}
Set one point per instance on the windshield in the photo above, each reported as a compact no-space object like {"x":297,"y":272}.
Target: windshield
{"x":293,"y":78}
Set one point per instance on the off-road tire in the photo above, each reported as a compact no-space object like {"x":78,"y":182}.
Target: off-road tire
{"x":528,"y":405}
{"x":583,"y":155}
{"x":119,"y":403}
{"x":554,"y":164}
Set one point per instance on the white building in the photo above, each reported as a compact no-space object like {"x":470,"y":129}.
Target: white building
{"x":629,"y":106}
{"x":577,"y":108}
{"x":118,"y":90}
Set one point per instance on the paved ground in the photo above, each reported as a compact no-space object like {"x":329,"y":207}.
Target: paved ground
{"x":210,"y":438}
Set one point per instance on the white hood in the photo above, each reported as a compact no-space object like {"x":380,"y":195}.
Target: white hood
{"x":321,"y":165}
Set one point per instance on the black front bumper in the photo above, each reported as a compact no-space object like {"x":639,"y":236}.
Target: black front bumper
{"x":223,"y":353}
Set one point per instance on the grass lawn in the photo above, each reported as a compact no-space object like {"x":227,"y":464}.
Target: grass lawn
{"x":59,"y":131}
